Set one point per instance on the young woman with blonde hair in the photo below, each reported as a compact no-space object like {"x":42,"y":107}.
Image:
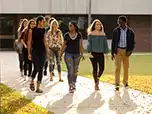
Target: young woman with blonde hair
{"x":97,"y":47}
{"x":24,"y":40}
{"x":55,"y":41}
{"x":19,"y":46}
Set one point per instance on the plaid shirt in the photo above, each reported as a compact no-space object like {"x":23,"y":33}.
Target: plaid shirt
{"x":123,"y":38}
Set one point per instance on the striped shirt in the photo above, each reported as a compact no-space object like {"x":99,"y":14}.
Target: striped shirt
{"x":123,"y":38}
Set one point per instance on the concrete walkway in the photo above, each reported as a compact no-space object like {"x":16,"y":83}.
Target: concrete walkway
{"x":84,"y":101}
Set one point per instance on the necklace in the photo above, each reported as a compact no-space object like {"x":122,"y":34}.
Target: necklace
{"x":73,"y":37}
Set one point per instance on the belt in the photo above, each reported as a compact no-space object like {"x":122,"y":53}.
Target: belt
{"x":122,"y":47}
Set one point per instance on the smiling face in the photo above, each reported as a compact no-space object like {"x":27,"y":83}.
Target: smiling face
{"x":32,"y":24}
{"x":71,"y":27}
{"x":24,"y":24}
{"x":42,"y":22}
{"x":54,"y":25}
{"x":98,"y":25}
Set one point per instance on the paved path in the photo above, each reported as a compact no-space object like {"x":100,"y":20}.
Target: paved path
{"x":84,"y":101}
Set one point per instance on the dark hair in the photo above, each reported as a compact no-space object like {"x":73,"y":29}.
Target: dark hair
{"x":29,"y":23}
{"x":50,"y":20}
{"x":75,"y":25}
{"x":39,"y":18}
{"x":123,"y":18}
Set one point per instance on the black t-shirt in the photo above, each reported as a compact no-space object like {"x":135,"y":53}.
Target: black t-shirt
{"x":38,"y":40}
{"x":72,"y":46}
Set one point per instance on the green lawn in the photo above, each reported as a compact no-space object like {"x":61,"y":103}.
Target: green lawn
{"x":140,"y":71}
{"x":14,"y":103}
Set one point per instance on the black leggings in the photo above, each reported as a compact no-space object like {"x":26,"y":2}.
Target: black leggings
{"x":27,"y":63}
{"x":45,"y":65}
{"x":97,"y":60}
{"x":38,"y":61}
{"x":21,"y":61}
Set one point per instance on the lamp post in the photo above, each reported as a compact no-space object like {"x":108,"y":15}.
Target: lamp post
{"x":89,"y":12}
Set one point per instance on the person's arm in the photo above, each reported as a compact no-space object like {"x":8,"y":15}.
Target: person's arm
{"x":29,"y":44}
{"x":81,"y":46}
{"x":113,"y":45}
{"x":63,"y":46}
{"x":46,"y":46}
{"x":132,"y":44}
{"x":89,"y":46}
{"x":106,"y":49}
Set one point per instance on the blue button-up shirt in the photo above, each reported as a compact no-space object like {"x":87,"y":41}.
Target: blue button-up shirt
{"x":123,"y":38}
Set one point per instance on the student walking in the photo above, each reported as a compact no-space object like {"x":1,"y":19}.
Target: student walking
{"x":19,"y":46}
{"x":37,"y":42}
{"x":73,"y":49}
{"x":97,"y":47}
{"x":46,"y":61}
{"x":24,"y":40}
{"x":122,"y":47}
{"x":55,"y":41}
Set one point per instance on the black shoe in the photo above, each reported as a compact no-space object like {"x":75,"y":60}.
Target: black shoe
{"x":53,"y":74}
{"x":32,"y":87}
{"x":117,"y":87}
{"x":74,"y":87}
{"x":39,"y":91}
{"x":45,"y":73}
{"x":126,"y":85}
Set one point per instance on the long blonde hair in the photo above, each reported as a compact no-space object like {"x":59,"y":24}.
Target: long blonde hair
{"x":54,"y":21}
{"x":21,"y":26}
{"x":92,"y":26}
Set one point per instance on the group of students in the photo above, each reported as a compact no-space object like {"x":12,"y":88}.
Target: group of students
{"x":41,"y":45}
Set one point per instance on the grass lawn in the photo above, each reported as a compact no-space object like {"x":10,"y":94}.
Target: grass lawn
{"x":14,"y":103}
{"x":140,"y":76}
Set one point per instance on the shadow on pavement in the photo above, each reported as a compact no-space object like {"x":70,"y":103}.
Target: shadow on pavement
{"x":90,"y":104}
{"x":122,"y":104}
{"x":63,"y":105}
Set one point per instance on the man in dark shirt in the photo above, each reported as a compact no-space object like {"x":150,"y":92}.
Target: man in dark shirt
{"x":122,"y":47}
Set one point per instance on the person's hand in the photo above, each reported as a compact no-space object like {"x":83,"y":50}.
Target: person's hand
{"x":112,"y":57}
{"x":82,"y":57}
{"x":30,"y":57}
{"x":25,"y":45}
{"x":128,"y":53}
{"x":90,"y":55}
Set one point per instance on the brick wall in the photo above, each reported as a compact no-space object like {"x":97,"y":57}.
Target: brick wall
{"x":143,"y":31}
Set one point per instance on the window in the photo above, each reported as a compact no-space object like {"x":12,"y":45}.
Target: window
{"x":6,"y":26}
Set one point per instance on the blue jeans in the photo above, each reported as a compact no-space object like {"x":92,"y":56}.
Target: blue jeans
{"x":72,"y":63}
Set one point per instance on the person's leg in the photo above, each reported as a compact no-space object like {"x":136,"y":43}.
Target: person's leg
{"x":45,"y":67}
{"x":30,"y":68}
{"x":100,"y":62}
{"x":21,"y":59}
{"x":35,"y":70}
{"x":69,"y":64}
{"x":95,"y":69}
{"x":51,"y":64}
{"x":101,"y":65}
{"x":75,"y":69}
{"x":125,"y":60}
{"x":25,"y":53}
{"x":40,"y":72}
{"x":58,"y":63}
{"x":118,"y":60}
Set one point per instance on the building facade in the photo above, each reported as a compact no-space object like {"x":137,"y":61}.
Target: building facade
{"x":138,"y":12}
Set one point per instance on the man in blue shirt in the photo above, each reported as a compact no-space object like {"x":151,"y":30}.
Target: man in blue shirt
{"x":122,"y":47}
